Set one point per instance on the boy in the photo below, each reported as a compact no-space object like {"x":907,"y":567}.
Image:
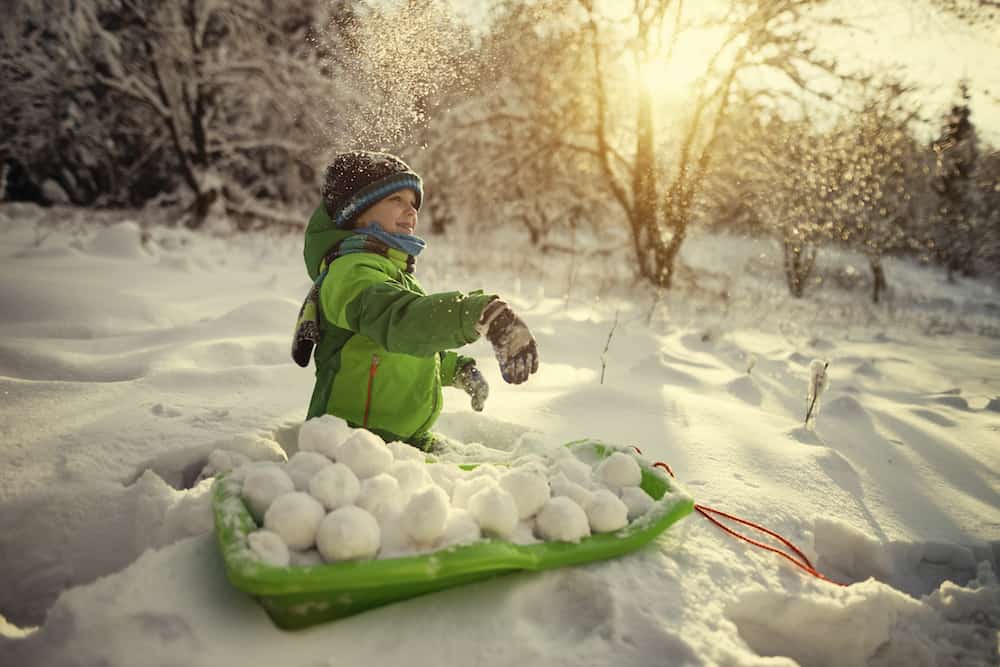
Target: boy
{"x":383,"y":346}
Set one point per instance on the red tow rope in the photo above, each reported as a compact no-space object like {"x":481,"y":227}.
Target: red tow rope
{"x":800,"y":560}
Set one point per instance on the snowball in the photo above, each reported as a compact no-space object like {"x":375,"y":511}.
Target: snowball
{"x":486,"y":470}
{"x":269,"y":548}
{"x":461,"y":528}
{"x":335,"y":486}
{"x":393,"y":539}
{"x":262,"y":484}
{"x":495,"y":510}
{"x":404,"y":452}
{"x":295,"y":517}
{"x":444,"y":475}
{"x":576,"y":470}
{"x":466,"y":488}
{"x":562,"y":520}
{"x":411,"y":475}
{"x":365,"y":453}
{"x":324,"y":434}
{"x":306,"y":558}
{"x":619,"y":470}
{"x":636,"y":500}
{"x":606,"y":512}
{"x":303,"y":465}
{"x":562,"y":486}
{"x":380,"y":495}
{"x":348,"y":533}
{"x":530,"y":491}
{"x":425,"y":515}
{"x":524,"y":533}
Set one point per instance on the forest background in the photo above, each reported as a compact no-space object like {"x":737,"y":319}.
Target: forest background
{"x":808,"y":121}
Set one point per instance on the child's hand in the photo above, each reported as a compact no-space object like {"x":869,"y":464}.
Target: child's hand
{"x":513,"y":344}
{"x":472,"y":382}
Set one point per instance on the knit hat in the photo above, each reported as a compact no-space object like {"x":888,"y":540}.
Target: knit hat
{"x":356,"y":180}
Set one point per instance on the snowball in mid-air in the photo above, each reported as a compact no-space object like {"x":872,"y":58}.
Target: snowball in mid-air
{"x":461,"y":528}
{"x":404,"y":452}
{"x":562,"y":520}
{"x":295,"y":517}
{"x":348,"y":533}
{"x":411,"y":475}
{"x":303,"y":465}
{"x":463,"y":489}
{"x":636,"y":500}
{"x":426,"y":514}
{"x":380,"y":495}
{"x":335,"y":485}
{"x":324,"y":434}
{"x":495,"y":510}
{"x":262,"y":484}
{"x":269,"y":548}
{"x":365,"y":453}
{"x":619,"y":470}
{"x":530,"y":491}
{"x":563,"y":486}
{"x":606,"y":512}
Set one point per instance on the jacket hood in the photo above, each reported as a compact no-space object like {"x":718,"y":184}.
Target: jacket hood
{"x":320,"y":237}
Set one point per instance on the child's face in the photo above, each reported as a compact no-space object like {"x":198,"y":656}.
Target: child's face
{"x":396,"y":214}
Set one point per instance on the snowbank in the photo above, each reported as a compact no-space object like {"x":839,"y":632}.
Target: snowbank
{"x":129,"y":355}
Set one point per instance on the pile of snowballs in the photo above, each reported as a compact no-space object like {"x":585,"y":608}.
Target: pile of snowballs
{"x":348,"y":495}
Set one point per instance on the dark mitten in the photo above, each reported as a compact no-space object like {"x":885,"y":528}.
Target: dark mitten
{"x":472,"y":382}
{"x":512,"y":342}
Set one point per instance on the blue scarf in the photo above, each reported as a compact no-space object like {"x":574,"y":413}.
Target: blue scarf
{"x":408,"y":243}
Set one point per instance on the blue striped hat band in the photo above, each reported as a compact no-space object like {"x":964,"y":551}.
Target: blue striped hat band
{"x":371,"y":194}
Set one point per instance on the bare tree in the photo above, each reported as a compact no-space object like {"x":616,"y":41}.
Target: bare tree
{"x":658,"y":199}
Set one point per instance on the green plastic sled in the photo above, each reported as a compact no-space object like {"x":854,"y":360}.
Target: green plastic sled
{"x":296,"y":597}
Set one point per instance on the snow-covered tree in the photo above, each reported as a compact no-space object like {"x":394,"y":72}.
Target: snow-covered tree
{"x":879,"y":164}
{"x":989,"y":188}
{"x":225,"y":99}
{"x":795,"y":183}
{"x":957,"y":225}
{"x":502,"y":135}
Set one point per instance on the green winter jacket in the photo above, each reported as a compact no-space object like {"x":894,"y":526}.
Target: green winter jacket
{"x":382,"y":356}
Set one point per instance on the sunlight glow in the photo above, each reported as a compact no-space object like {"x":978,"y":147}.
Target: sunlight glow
{"x":667,"y":79}
{"x":675,"y":75}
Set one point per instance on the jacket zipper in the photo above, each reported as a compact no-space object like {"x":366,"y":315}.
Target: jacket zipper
{"x":371,"y":381}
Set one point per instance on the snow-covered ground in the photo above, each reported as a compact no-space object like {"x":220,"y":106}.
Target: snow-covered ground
{"x":128,"y":354}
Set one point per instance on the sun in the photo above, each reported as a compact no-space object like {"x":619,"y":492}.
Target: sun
{"x":666,"y":79}
{"x":675,"y":73}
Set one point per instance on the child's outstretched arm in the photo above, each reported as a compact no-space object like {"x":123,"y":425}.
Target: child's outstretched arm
{"x":512,"y":342}
{"x":398,"y":319}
